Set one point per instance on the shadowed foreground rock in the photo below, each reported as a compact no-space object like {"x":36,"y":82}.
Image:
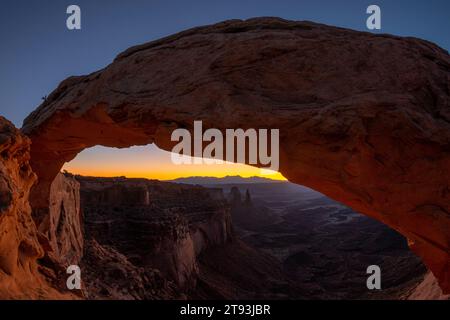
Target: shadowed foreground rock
{"x":363,"y":118}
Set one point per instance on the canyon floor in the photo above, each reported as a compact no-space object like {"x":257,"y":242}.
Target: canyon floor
{"x":323,"y":245}
{"x":147,"y":239}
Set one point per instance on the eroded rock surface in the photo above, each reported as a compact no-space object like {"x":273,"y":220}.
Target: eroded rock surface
{"x":155,"y":225}
{"x":363,"y":118}
{"x":108,"y":274}
{"x":62,"y":230}
{"x":148,"y":239}
{"x":19,"y":246}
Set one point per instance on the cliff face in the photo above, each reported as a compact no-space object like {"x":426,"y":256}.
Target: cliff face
{"x":109,"y":274}
{"x":132,"y":238}
{"x":157,"y":240}
{"x":363,"y":118}
{"x":144,"y":240}
{"x":62,"y":231}
{"x":154,"y":225}
{"x":19,"y":246}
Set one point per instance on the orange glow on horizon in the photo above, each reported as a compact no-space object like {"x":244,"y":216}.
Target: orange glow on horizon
{"x":153,"y":163}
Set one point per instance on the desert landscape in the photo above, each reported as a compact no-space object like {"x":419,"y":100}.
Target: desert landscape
{"x":364,"y":145}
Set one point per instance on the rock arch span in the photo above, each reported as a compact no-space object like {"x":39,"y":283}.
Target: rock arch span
{"x":363,"y":118}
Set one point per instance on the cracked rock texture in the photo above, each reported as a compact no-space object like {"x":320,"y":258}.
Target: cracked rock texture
{"x":363,"y":118}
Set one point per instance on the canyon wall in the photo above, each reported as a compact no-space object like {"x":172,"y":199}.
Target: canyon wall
{"x":144,"y":240}
{"x":20,"y":276}
{"x":363,"y":118}
{"x":62,"y":230}
{"x":157,"y":240}
{"x":155,"y":225}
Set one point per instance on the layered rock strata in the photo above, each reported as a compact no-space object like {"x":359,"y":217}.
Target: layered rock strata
{"x":156,"y":225}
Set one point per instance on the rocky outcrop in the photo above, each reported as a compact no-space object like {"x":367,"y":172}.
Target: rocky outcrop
{"x":108,"y":274}
{"x":155,"y":225}
{"x":427,"y":289}
{"x":363,"y":118}
{"x":246,"y":214}
{"x":20,"y":276}
{"x":148,"y":239}
{"x":61,"y":232}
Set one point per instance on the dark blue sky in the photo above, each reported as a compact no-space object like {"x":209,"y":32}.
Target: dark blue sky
{"x":37,"y":51}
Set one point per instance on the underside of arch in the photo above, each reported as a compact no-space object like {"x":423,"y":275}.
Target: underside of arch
{"x":363,"y":118}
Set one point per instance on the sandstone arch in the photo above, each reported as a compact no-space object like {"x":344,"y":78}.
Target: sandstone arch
{"x":363,"y":118}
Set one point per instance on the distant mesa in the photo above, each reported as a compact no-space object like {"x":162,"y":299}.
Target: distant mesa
{"x":224,"y":180}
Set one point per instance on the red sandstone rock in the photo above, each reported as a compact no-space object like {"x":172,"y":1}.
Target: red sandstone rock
{"x":62,"y":228}
{"x":19,"y":245}
{"x":363,"y":118}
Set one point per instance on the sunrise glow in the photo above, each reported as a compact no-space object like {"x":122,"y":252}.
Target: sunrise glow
{"x":153,"y":163}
